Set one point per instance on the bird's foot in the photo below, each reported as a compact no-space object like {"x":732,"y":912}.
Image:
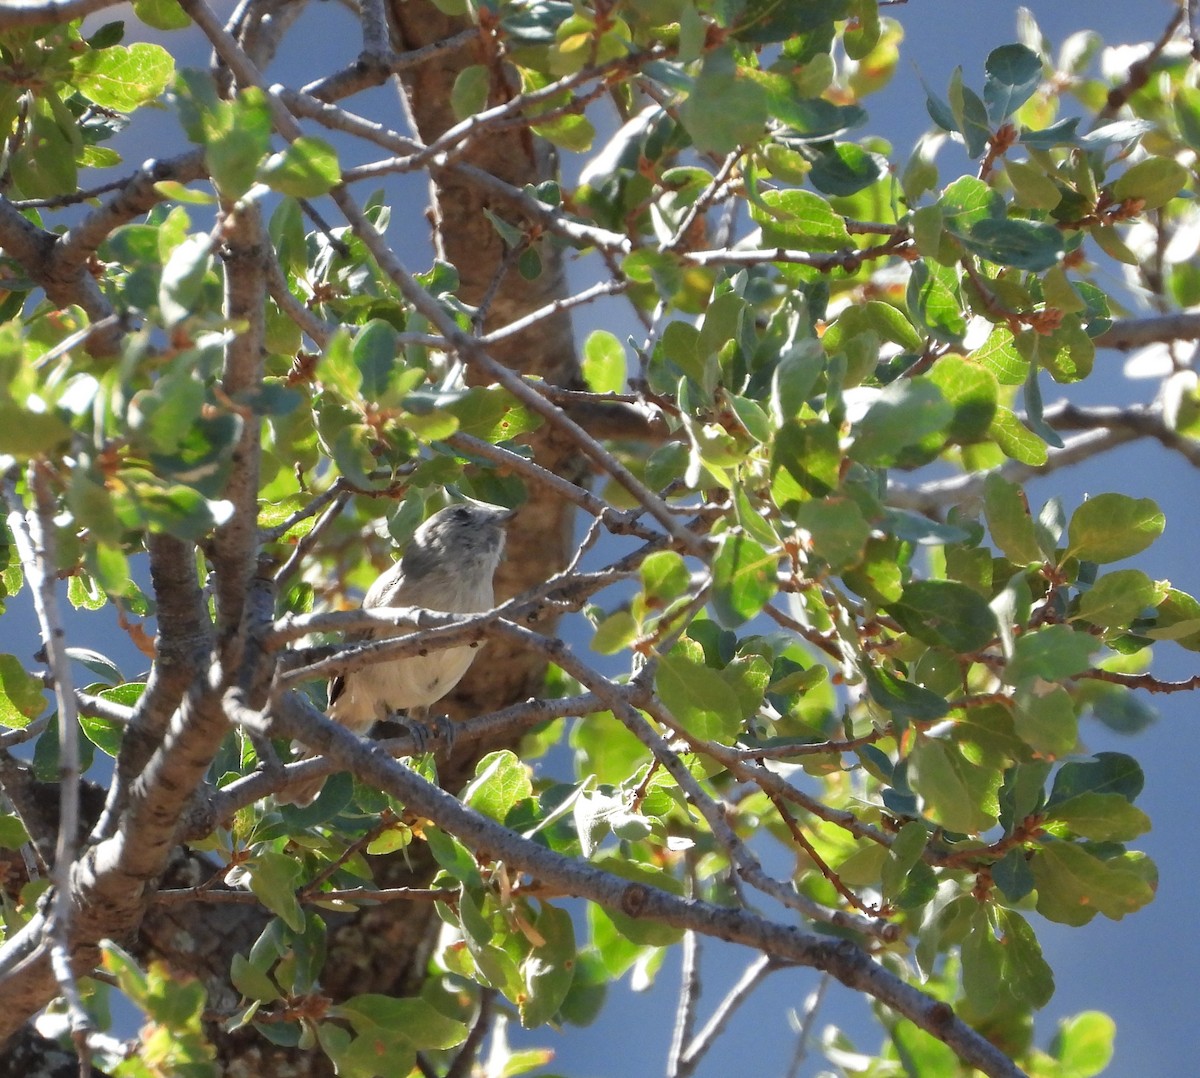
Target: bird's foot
{"x":430,"y":733}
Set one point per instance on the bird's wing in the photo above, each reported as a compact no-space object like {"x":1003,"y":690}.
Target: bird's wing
{"x":381,"y":593}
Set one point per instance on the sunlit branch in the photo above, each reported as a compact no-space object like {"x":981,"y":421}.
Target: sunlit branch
{"x":33,"y":533}
{"x":18,"y":13}
{"x":1128,"y":333}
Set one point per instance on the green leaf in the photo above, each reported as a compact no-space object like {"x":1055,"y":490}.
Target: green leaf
{"x":968,"y":201}
{"x":183,"y":278}
{"x":236,"y":135}
{"x":839,"y":532}
{"x":696,"y":694}
{"x":1009,"y":520}
{"x":664,"y":576}
{"x":377,"y":357}
{"x":1013,"y":74}
{"x":161,"y":14}
{"x":1178,"y":619}
{"x":904,"y":698}
{"x":25,"y":434}
{"x":1104,"y":817}
{"x":725,"y":109}
{"x":959,"y":795}
{"x":1154,"y":181}
{"x":641,"y":930}
{"x":22,"y":696}
{"x":800,"y":220}
{"x":571,"y":132}
{"x":1000,"y":355}
{"x":549,"y":969}
{"x":1052,"y":653}
{"x":413,"y":1021}
{"x":1025,"y":977}
{"x":44,"y":165}
{"x":603,"y":362}
{"x":743,"y":578}
{"x":470,"y":92}
{"x":123,"y":78}
{"x":810,"y":455}
{"x":1046,"y":721}
{"x":1084,"y":1044}
{"x":1187,"y":114}
{"x":1016,"y":440}
{"x":970,"y":115}
{"x":905,"y":852}
{"x":971,"y":388}
{"x":394,"y":838}
{"x":932,"y":300}
{"x":1028,"y":245}
{"x":250,"y":981}
{"x":1033,"y":188}
{"x":1110,"y":527}
{"x":946,"y":612}
{"x":491,"y":413}
{"x":1073,"y":885}
{"x":12,"y":833}
{"x":615,"y":633}
{"x":1123,"y":710}
{"x":904,"y":413}
{"x":845,"y":169}
{"x":306,"y":169}
{"x":983,"y":965}
{"x":1106,"y":772}
{"x":274,"y":878}
{"x":1119,"y":597}
{"x":794,"y":378}
{"x":501,"y":781}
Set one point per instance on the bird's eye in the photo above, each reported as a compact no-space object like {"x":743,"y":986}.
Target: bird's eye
{"x":462,"y":514}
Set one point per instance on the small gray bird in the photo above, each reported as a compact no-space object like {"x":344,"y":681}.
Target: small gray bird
{"x":449,"y":565}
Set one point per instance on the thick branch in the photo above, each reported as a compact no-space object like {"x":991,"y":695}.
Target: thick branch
{"x":1129,"y":333}
{"x":235,"y":543}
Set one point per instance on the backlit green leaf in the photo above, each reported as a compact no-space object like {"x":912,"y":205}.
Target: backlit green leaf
{"x":306,"y":169}
{"x":697,"y":695}
{"x":1154,"y":181}
{"x":1052,"y":653}
{"x":959,"y":795}
{"x":123,"y":78}
{"x":800,"y":220}
{"x":1073,"y":885}
{"x":603,"y":362}
{"x":1119,"y":597}
{"x":1110,"y":527}
{"x":549,"y":969}
{"x":1009,"y":520}
{"x":22,"y":696}
{"x":743,"y":578}
{"x":1101,"y":816}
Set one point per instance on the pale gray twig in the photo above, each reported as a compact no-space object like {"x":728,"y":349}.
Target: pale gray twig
{"x":33,"y":535}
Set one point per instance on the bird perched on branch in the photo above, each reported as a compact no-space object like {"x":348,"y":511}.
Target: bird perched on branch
{"x":448,"y":566}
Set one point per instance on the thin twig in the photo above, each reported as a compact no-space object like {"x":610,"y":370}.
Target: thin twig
{"x":34,"y":538}
{"x":812,"y":1004}
{"x":689,"y":998}
{"x":751,"y":978}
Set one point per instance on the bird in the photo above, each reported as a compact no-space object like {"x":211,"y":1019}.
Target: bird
{"x":448,"y":565}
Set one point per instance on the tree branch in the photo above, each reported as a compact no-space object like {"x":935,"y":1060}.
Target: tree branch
{"x":1126,"y":334}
